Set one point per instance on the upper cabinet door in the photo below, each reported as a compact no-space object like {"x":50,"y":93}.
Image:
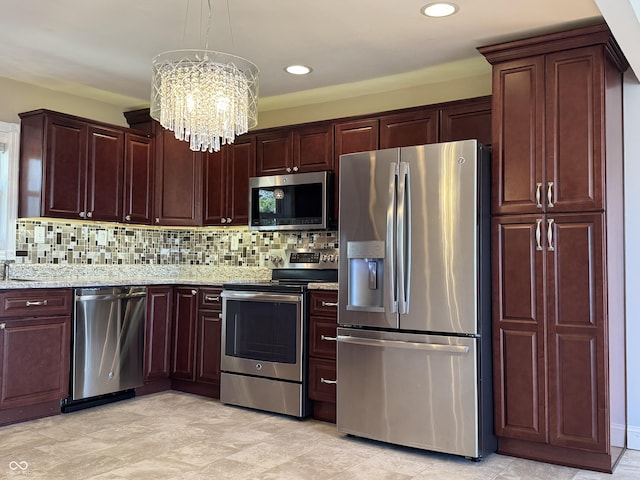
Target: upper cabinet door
{"x":65,"y":166}
{"x":313,"y":148}
{"x":138,"y":179}
{"x":518,"y":129}
{"x":105,"y":164}
{"x":241,"y":165}
{"x":574,"y":130}
{"x":274,"y":153}
{"x":411,"y":128}
{"x":214,"y":187}
{"x":178,"y":181}
{"x":467,"y":121}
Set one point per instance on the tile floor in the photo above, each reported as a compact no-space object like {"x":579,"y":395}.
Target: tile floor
{"x":174,"y":435}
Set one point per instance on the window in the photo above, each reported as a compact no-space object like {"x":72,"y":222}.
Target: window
{"x":9,"y":139}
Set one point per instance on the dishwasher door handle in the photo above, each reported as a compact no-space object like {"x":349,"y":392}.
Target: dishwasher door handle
{"x":432,"y":347}
{"x":84,"y":298}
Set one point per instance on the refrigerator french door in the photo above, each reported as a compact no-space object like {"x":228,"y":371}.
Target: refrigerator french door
{"x":413,"y":354}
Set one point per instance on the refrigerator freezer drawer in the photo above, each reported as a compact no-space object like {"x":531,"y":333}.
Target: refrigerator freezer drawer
{"x":409,"y":389}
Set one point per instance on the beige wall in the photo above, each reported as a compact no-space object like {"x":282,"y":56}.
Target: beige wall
{"x":452,"y":81}
{"x":18,"y":97}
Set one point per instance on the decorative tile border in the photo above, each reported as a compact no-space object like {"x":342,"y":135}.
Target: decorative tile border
{"x":70,"y":242}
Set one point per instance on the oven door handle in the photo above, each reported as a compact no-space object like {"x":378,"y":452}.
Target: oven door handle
{"x":261,"y":296}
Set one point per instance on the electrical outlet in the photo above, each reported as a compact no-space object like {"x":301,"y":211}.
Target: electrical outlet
{"x":38,"y":233}
{"x":102,"y":238}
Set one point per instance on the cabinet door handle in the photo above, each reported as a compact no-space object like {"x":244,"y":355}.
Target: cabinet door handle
{"x":223,"y":220}
{"x":35,"y":303}
{"x":82,"y":214}
{"x":89,"y":214}
{"x":550,"y":246}
{"x":2,"y":325}
{"x":329,"y":304}
{"x":550,"y":194}
{"x":295,"y":169}
{"x":157,"y":220}
{"x":229,"y":220}
{"x":220,"y":315}
{"x":328,"y":339}
{"x":128,"y":218}
{"x":538,"y":194}
{"x":538,"y":234}
{"x":210,"y":298}
{"x":194,"y":292}
{"x":288,"y":169}
{"x":326,"y":380}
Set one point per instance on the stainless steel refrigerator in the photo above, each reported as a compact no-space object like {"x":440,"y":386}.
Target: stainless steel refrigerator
{"x":414,"y":335}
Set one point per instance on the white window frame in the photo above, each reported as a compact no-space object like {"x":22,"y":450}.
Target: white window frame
{"x":10,"y":142}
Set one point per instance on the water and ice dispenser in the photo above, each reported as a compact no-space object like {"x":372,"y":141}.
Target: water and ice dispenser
{"x":366,"y":275}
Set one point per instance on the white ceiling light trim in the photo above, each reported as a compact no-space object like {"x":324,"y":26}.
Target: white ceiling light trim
{"x":298,"y":69}
{"x":439,"y":9}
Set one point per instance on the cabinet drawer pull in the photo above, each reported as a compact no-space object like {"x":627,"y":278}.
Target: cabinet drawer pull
{"x":220,"y":315}
{"x":34,"y":303}
{"x":2,"y":325}
{"x":550,"y":194}
{"x":194,"y":292}
{"x":328,"y":339}
{"x":538,"y":194}
{"x":329,"y":304}
{"x":330,"y":382}
{"x":210,"y":298}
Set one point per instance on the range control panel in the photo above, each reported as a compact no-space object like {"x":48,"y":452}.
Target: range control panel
{"x":307,"y":258}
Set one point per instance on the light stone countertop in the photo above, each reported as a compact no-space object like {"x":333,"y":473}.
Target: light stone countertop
{"x":70,"y":276}
{"x":323,"y":286}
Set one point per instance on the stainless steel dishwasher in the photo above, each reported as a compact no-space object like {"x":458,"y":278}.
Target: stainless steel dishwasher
{"x":107,"y":346}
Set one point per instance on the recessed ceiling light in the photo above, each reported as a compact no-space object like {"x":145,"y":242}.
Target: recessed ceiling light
{"x":298,"y":69}
{"x":439,"y":9}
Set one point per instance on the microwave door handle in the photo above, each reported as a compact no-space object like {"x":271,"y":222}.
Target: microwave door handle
{"x":390,"y":271}
{"x":404,"y":237}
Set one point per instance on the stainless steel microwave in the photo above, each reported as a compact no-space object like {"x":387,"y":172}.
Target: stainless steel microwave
{"x":302,"y":201}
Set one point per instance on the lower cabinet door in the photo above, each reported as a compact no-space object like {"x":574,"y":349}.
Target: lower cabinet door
{"x":34,"y":360}
{"x":208,"y":351}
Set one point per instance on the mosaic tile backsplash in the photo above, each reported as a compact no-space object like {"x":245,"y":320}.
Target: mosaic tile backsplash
{"x":47,"y":241}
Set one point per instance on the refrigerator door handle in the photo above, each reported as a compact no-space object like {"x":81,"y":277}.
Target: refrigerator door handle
{"x":404,"y":237}
{"x":391,"y":289}
{"x":432,"y":347}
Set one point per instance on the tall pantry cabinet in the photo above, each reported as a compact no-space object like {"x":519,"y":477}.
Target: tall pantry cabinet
{"x":557,"y":236}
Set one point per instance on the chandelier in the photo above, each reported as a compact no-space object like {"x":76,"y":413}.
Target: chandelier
{"x":205,"y":97}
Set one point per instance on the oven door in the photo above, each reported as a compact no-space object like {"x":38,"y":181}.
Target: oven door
{"x":262,"y":334}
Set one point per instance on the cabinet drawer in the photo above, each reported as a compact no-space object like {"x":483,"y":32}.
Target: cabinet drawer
{"x":210,"y":299}
{"x":322,"y":337}
{"x":35,"y":302}
{"x":321,"y":373}
{"x":324,"y":302}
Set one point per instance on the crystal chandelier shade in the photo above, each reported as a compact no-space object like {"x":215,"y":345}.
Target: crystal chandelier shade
{"x":205,"y":97}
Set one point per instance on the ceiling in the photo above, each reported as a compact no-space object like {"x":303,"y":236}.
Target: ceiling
{"x":102,"y":49}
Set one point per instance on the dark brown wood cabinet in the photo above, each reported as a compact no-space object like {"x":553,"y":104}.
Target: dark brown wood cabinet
{"x":466,"y":119}
{"x":183,"y":353}
{"x":305,"y":148}
{"x":35,"y":336}
{"x":226,"y":182}
{"x":70,"y":167}
{"x":158,"y":337}
{"x":177,"y":181}
{"x":322,"y":353}
{"x":196,"y":341}
{"x":138,"y":179}
{"x":416,"y":127}
{"x":558,"y":275}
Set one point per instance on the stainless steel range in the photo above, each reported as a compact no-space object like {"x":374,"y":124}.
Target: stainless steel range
{"x":264,"y":333}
